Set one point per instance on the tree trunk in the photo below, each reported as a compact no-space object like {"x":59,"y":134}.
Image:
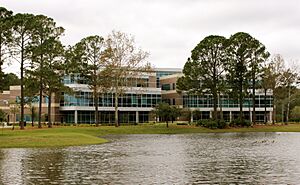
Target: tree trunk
{"x":32,"y":116}
{"x":40,"y":95}
{"x":265,"y":99}
{"x":96,"y":107}
{"x":22,"y":85}
{"x":1,"y":63}
{"x":167,"y":122}
{"x":15,"y":119}
{"x":282,"y":112}
{"x":40,"y":108}
{"x":49,"y":110}
{"x":274,"y":111}
{"x":220,"y":105}
{"x":241,"y":99}
{"x":288,"y":105}
{"x":253,"y":99}
{"x":116,"y":110}
{"x":215,"y":100}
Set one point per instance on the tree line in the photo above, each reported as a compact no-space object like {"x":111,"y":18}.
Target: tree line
{"x":238,"y":67}
{"x":34,"y":42}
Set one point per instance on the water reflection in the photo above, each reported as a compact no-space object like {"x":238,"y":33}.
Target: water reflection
{"x":230,"y":158}
{"x":44,"y":166}
{"x":11,"y":165}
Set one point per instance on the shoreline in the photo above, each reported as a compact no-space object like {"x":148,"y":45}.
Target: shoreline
{"x":63,"y":136}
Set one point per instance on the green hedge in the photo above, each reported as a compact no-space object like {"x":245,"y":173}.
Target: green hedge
{"x":240,"y":123}
{"x":295,"y":120}
{"x":213,"y":124}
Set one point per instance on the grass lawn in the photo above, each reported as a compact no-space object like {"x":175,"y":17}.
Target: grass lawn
{"x":87,"y":135}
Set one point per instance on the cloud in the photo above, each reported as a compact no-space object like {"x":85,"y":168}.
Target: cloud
{"x":170,"y":29}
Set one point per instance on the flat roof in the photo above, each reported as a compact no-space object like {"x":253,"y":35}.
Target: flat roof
{"x":168,"y":69}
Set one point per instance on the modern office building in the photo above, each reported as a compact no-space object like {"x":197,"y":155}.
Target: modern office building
{"x":204,"y":104}
{"x":10,"y":103}
{"x":135,"y":105}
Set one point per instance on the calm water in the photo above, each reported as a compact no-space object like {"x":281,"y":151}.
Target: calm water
{"x":231,"y":158}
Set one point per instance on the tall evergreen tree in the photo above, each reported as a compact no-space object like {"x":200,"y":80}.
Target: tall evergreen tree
{"x":258,"y":55}
{"x":45,"y":47}
{"x":5,"y":39}
{"x":238,"y":76}
{"x":9,"y":79}
{"x":204,"y":72}
{"x":266,"y":84}
{"x":54,"y":71}
{"x":89,"y":54}
{"x":22,"y":28}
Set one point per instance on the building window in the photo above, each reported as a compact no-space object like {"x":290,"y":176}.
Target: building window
{"x":166,"y":87}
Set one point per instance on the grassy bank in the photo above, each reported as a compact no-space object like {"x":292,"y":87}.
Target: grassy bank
{"x":86,"y":135}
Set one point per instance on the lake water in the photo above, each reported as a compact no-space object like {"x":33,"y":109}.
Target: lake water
{"x":229,"y":158}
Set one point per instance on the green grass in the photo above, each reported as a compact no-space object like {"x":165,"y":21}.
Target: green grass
{"x":87,"y":135}
{"x":56,"y":137}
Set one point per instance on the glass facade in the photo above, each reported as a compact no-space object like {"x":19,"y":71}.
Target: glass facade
{"x":199,"y":115}
{"x":108,"y":100}
{"x":106,"y":117}
{"x":85,"y":99}
{"x":144,"y":117}
{"x":130,"y":82}
{"x":68,"y":117}
{"x":73,"y":79}
{"x":194,"y":101}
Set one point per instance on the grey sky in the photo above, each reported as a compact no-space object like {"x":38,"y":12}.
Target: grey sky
{"x":170,"y":29}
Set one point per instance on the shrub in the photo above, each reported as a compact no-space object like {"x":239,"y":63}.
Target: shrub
{"x":213,"y":124}
{"x":201,"y":123}
{"x":222,"y":124}
{"x":297,"y":120}
{"x":207,"y":123}
{"x":241,"y":123}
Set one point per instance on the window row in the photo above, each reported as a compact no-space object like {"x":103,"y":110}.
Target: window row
{"x":108,"y":100}
{"x":105,"y":117}
{"x":130,"y":82}
{"x":225,"y":101}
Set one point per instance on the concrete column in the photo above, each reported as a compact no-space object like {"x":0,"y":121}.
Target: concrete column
{"x":230,"y":116}
{"x":270,"y":116}
{"x":75,"y":117}
{"x":137,"y":116}
{"x":251,"y":116}
{"x":192,"y":119}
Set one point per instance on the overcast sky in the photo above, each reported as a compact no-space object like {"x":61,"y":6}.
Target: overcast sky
{"x":170,"y":29}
